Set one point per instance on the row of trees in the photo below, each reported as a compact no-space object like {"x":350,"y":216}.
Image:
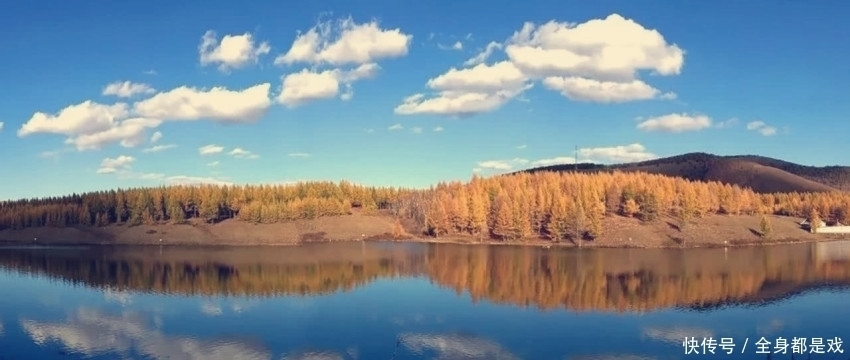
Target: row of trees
{"x":210,"y":203}
{"x":562,"y":206}
{"x":551,"y":205}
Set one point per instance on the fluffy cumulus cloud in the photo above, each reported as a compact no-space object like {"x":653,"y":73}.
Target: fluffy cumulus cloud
{"x":1,"y":126}
{"x":127,"y":89}
{"x":616,"y":154}
{"x":232,"y":52}
{"x":596,"y":61}
{"x":308,"y":85}
{"x":90,"y":125}
{"x":469,"y":91}
{"x":590,"y":90}
{"x":217,"y":104}
{"x":344,"y":42}
{"x":676,"y":123}
{"x":113,"y":165}
{"x":761,"y":127}
{"x":337,"y":44}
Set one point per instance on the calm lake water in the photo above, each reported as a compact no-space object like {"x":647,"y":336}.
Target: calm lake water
{"x":421,"y":301}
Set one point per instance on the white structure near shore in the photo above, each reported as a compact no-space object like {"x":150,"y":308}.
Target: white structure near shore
{"x":822,"y":228}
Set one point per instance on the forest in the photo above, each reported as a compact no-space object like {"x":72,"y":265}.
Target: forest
{"x":542,"y":205}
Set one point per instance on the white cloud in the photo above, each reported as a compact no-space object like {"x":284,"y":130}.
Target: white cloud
{"x":500,"y":164}
{"x":150,"y":72}
{"x":90,"y":125}
{"x":214,"y":163}
{"x":438,"y":129}
{"x":298,"y":154}
{"x":109,"y":165}
{"x":727,"y":123}
{"x":234,"y":51}
{"x":481,"y":78}
{"x":1,"y":126}
{"x":395,"y":127}
{"x":54,"y":154}
{"x":127,"y":89}
{"x":158,"y":148}
{"x":218,"y":103}
{"x":614,"y":49}
{"x":676,"y":123}
{"x":195,"y":180}
{"x":130,"y":133}
{"x":464,"y":92}
{"x":560,"y":160}
{"x":156,"y":137}
{"x":346,"y":42}
{"x":241,"y":153}
{"x":210,"y":149}
{"x":84,"y":118}
{"x":308,"y":85}
{"x":624,"y":153}
{"x":761,"y":127}
{"x":456,"y":46}
{"x":416,"y":130}
{"x":584,"y":89}
{"x":596,"y":61}
{"x":523,"y":146}
{"x":483,"y":55}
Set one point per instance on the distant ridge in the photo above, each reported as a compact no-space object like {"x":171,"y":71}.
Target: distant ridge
{"x":762,"y":174}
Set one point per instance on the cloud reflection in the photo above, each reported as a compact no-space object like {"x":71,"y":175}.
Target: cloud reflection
{"x":676,"y":334}
{"x":211,"y":309}
{"x":92,"y":332}
{"x":1,"y":329}
{"x":313,"y":355}
{"x":456,"y":347}
{"x":120,"y":296}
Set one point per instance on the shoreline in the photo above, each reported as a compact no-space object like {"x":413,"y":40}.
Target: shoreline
{"x":710,"y":232}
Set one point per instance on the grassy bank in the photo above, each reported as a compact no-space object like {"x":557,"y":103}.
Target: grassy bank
{"x":709,"y":231}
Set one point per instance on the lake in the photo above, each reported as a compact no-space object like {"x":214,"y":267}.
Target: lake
{"x":377,"y":300}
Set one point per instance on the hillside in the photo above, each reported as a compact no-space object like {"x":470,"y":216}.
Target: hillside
{"x":761,"y":174}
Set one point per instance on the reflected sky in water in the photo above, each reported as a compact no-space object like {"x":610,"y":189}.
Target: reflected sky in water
{"x":385,"y":301}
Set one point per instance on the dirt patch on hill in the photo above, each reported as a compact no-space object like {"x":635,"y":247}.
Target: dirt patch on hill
{"x":228,"y":232}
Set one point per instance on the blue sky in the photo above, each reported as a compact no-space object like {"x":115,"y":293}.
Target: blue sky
{"x":105,"y":94}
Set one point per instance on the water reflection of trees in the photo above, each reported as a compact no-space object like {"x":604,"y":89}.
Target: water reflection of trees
{"x":589,"y":279}
{"x":304,"y":270}
{"x":631,"y":279}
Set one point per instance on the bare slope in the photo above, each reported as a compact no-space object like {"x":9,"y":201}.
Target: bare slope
{"x":762,"y":174}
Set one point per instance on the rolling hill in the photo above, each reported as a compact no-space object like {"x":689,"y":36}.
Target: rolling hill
{"x":762,"y":174}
